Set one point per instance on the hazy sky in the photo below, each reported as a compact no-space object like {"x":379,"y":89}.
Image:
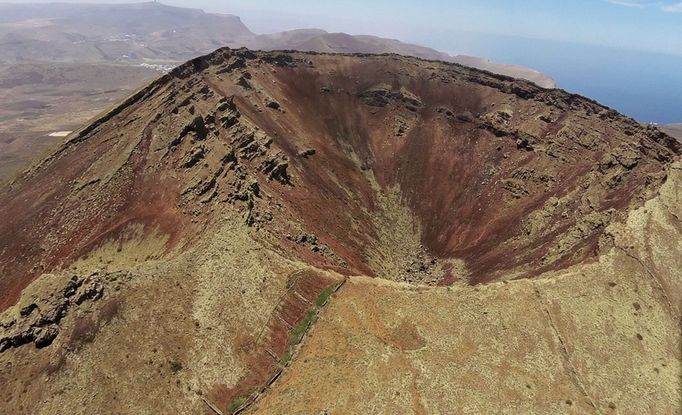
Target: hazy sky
{"x":654,"y":26}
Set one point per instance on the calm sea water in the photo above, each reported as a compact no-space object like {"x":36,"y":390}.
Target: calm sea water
{"x":646,"y":86}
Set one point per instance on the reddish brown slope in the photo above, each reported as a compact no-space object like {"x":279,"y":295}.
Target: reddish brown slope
{"x":496,"y":172}
{"x":62,"y":212}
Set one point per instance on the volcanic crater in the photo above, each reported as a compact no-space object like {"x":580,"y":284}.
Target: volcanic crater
{"x":414,"y":171}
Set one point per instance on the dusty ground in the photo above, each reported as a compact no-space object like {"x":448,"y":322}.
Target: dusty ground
{"x":567,"y":344}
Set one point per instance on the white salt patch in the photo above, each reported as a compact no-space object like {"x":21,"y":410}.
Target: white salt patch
{"x":59,"y":134}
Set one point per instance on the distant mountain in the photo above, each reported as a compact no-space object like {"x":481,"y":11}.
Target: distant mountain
{"x":153,"y":32}
{"x":125,"y":32}
{"x":320,"y":41}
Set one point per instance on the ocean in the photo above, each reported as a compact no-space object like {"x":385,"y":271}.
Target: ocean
{"x":646,"y":86}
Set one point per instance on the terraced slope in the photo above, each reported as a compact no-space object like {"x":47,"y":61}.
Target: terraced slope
{"x":191,"y":236}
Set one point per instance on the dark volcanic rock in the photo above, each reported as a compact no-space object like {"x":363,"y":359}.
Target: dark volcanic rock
{"x":44,"y":336}
{"x":271,"y":103}
{"x":26,"y":311}
{"x":383,"y":95}
{"x":39,"y":323}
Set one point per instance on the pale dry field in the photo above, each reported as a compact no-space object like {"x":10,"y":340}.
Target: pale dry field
{"x":674,"y":129}
{"x":43,"y":98}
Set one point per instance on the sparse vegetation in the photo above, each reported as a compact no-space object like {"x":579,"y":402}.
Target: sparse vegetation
{"x":324,"y":297}
{"x":297,"y":333}
{"x":285,"y":358}
{"x":301,"y":328}
{"x":236,"y":404}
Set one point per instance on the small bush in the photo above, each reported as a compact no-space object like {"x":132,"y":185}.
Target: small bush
{"x":175,"y":367}
{"x":236,"y":404}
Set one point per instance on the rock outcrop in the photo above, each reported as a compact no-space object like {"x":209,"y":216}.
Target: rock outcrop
{"x":39,"y":322}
